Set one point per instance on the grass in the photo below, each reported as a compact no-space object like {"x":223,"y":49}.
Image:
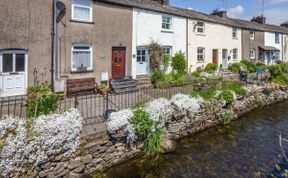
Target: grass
{"x":152,"y":143}
{"x":205,"y":94}
{"x":233,"y":86}
{"x":228,"y":116}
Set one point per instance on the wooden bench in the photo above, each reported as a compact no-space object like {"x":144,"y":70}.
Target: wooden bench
{"x":81,"y":85}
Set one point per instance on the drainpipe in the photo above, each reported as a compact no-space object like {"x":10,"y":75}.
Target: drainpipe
{"x":187,"y":42}
{"x":52,"y":43}
{"x":56,"y":47}
{"x":282,"y":47}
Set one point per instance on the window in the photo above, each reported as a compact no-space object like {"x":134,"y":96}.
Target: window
{"x":166,"y":22}
{"x":200,"y":54}
{"x":141,"y":55}
{"x":235,"y":53}
{"x":81,"y":57}
{"x":13,"y":61}
{"x":252,"y":35}
{"x":277,"y":38}
{"x":276,"y":56}
{"x":167,"y":50}
{"x":234,"y":32}
{"x":252,"y":53}
{"x":200,"y":28}
{"x":82,"y":10}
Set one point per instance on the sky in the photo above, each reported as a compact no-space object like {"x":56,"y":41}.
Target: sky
{"x":276,"y":11}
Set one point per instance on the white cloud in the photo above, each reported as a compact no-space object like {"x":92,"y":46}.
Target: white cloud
{"x":278,"y":1}
{"x":276,"y":15}
{"x":236,"y":11}
{"x":190,"y":8}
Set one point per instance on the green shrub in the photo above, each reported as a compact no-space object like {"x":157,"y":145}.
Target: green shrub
{"x":267,"y":91}
{"x":276,"y":70}
{"x":227,"y":96}
{"x":199,"y":69}
{"x":178,"y":79}
{"x":211,"y":67}
{"x":205,"y":94}
{"x":228,"y":116}
{"x":152,"y":145}
{"x":157,"y":76}
{"x":195,"y":74}
{"x":41,"y":101}
{"x":141,"y":122}
{"x":179,"y":62}
{"x":250,"y":66}
{"x":235,"y":67}
{"x":234,"y":86}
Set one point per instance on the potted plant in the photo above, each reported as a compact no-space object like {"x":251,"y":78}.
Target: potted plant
{"x":103,"y":89}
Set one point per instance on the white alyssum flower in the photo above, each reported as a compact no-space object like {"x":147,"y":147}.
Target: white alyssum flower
{"x":187,"y":103}
{"x":55,"y":134}
{"x":118,"y":120}
{"x":158,"y":110}
{"x":131,"y":136}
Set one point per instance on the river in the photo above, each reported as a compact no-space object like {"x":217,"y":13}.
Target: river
{"x":246,"y":148}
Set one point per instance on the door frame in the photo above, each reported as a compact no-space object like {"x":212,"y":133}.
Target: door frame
{"x":125,"y":65}
{"x":217,"y":56}
{"x":143,"y":47}
{"x":17,"y":51}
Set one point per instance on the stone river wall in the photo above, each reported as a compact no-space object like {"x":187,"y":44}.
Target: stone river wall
{"x":107,"y":151}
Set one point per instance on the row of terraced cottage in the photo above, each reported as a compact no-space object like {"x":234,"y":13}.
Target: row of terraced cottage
{"x":51,"y":41}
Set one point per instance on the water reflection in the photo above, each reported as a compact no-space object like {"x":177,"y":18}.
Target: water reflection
{"x":245,"y":148}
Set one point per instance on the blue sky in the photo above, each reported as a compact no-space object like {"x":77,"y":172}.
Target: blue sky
{"x":276,"y":11}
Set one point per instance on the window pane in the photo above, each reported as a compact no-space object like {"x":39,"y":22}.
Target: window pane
{"x":82,"y":13}
{"x":81,"y":59}
{"x":143,"y":52}
{"x":82,"y":47}
{"x":7,"y":62}
{"x":200,"y":30}
{"x":20,"y":62}
{"x":138,"y":58}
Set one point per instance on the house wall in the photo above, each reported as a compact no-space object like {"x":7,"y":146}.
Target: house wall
{"x":248,"y":44}
{"x":147,"y":28}
{"x":270,"y":41}
{"x":285,"y":48}
{"x":111,"y":27}
{"x":216,"y":36}
{"x":26,"y":24}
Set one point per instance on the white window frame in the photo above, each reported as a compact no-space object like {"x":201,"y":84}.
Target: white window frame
{"x":235,"y":53}
{"x":200,"y":27}
{"x":201,"y":54}
{"x":234,"y":33}
{"x":164,"y":48}
{"x":252,"y":35}
{"x":73,"y":69}
{"x":252,"y":53}
{"x":277,"y":38}
{"x":141,"y":56}
{"x":90,"y":7}
{"x":170,"y":24}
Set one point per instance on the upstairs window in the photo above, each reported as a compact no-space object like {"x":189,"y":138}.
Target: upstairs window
{"x":200,"y":54}
{"x":235,"y":53}
{"x":200,"y":27}
{"x":166,"y":22}
{"x":81,"y":57}
{"x":234,"y":32}
{"x":82,"y":10}
{"x":252,"y":35}
{"x":277,"y":38}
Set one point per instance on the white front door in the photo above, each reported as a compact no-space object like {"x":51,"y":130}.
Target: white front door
{"x":225,"y":59}
{"x":13,"y":76}
{"x":142,"y":63}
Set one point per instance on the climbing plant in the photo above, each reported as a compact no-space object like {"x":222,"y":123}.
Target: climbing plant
{"x":155,"y":54}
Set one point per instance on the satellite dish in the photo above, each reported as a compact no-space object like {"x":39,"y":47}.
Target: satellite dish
{"x":62,"y":8}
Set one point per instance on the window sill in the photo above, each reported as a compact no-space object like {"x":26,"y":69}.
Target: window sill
{"x":166,"y":31}
{"x":81,"y":72}
{"x":79,"y":21}
{"x":200,"y":62}
{"x":235,"y":38}
{"x":200,"y":34}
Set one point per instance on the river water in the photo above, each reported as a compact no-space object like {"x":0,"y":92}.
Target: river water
{"x":246,"y":148}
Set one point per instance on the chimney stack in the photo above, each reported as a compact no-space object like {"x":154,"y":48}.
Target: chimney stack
{"x":285,"y":24}
{"x":220,"y":12}
{"x":259,"y":19}
{"x":163,"y":2}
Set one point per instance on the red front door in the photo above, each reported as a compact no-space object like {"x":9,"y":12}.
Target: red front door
{"x":118,"y":62}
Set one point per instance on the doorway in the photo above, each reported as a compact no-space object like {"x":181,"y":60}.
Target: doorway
{"x":215,"y":56}
{"x":118,"y":62}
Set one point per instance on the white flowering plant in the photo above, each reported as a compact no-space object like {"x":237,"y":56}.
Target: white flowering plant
{"x":53,"y":135}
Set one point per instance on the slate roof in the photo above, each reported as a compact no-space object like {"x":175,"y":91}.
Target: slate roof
{"x":156,"y":7}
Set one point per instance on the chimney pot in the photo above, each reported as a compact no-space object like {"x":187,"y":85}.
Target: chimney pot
{"x":220,"y":12}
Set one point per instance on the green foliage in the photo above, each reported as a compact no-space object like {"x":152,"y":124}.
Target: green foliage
{"x":276,"y":70}
{"x":205,"y":94}
{"x":141,"y":122}
{"x":195,"y":74}
{"x":234,"y":86}
{"x":267,"y":91}
{"x":179,"y":62}
{"x":157,"y":76}
{"x":227,"y":96}
{"x":250,"y":66}
{"x":228,"y":116}
{"x":166,"y":59}
{"x":41,"y":101}
{"x":235,"y":67}
{"x":152,"y":145}
{"x":178,"y":79}
{"x":279,"y":73}
{"x":211,"y":67}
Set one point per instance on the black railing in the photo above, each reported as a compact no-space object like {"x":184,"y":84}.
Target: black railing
{"x":93,"y":105}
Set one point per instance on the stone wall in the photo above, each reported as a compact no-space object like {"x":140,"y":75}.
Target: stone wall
{"x":107,"y":151}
